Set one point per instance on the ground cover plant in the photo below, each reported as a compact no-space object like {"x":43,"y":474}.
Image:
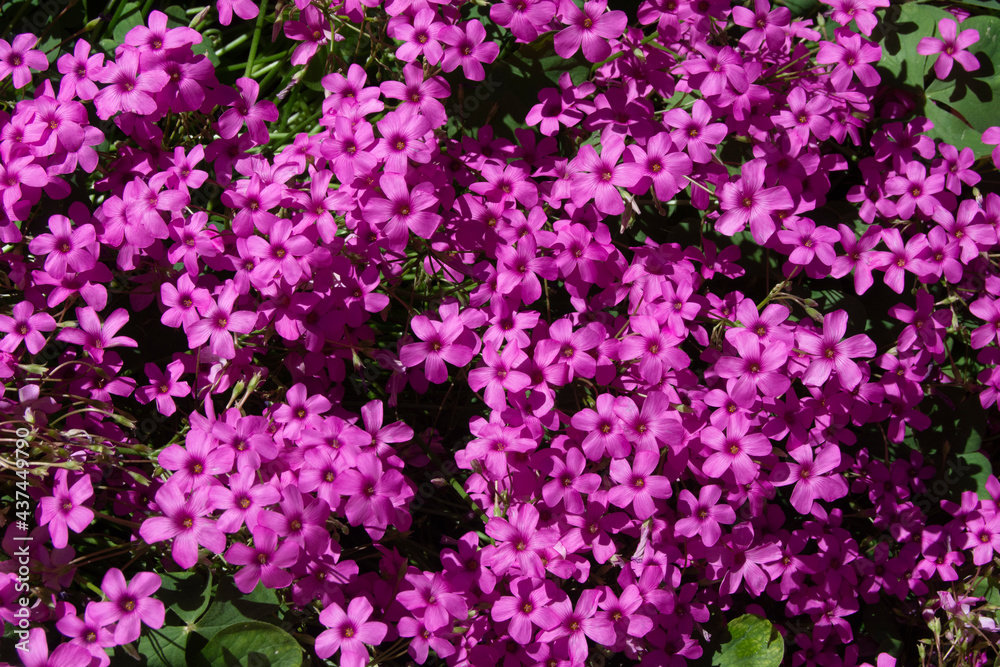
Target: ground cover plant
{"x":529,"y":332}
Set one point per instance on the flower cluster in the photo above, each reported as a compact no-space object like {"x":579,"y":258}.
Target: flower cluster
{"x":638,"y":430}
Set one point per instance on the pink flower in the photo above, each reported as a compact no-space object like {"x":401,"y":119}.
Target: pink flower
{"x":466,"y":48}
{"x":94,"y":336}
{"x":810,"y":476}
{"x":733,"y":450}
{"x":525,"y":18}
{"x":420,"y":38}
{"x":950,"y":48}
{"x":220,"y":322}
{"x":247,"y":110}
{"x":79,"y":71}
{"x":748,"y":201}
{"x":637,"y":485}
{"x":579,"y":623}
{"x":37,"y":652}
{"x":263,"y":562}
{"x":349,"y":632}
{"x":245,"y":9}
{"x":25,"y":326}
{"x":765,"y":24}
{"x":128,"y":89}
{"x":185,"y":521}
{"x":164,"y":387}
{"x":861,"y":11}
{"x":130,"y":605}
{"x":597,"y":177}
{"x":19,"y":59}
{"x":592,"y":27}
{"x":703,"y":514}
{"x":64,"y":508}
{"x":830,"y":351}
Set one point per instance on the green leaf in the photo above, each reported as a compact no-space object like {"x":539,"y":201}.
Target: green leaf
{"x":974,"y":94}
{"x":949,"y":128}
{"x":164,"y":647}
{"x":253,"y":644}
{"x":753,"y":642}
{"x":975,"y":468}
{"x":130,"y":17}
{"x":900,"y":36}
{"x":800,"y":8}
{"x":230,"y":607}
{"x":186,"y":594}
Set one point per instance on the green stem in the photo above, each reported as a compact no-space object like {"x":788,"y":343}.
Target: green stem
{"x":259,"y":28}
{"x":232,"y":45}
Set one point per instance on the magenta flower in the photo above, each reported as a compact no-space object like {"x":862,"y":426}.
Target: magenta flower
{"x":349,"y":632}
{"x":420,"y":38}
{"x":748,"y":201}
{"x":128,"y":89}
{"x":766,"y":25}
{"x":830,"y":351}
{"x":656,"y":349}
{"x":597,"y":177}
{"x":374,"y":493}
{"x":25,"y":326}
{"x":465,"y":47}
{"x":525,"y":18}
{"x":519,"y":542}
{"x":18,"y":59}
{"x":526,"y":608}
{"x":987,"y":310}
{"x":36,"y":653}
{"x":637,"y":485}
{"x":703,"y":514}
{"x":732,"y":450}
{"x":220,"y":322}
{"x":744,"y":563}
{"x":579,"y":623}
{"x":94,"y":336}
{"x":810,"y":476}
{"x":861,"y":11}
{"x":498,"y":375}
{"x":79,"y":71}
{"x":404,"y":208}
{"x":241,"y":500}
{"x":16,"y":172}
{"x":983,"y":537}
{"x":852,"y":56}
{"x":568,"y":482}
{"x":433,"y":599}
{"x":185,"y":521}
{"x":66,"y":247}
{"x":247,"y":110}
{"x":915,"y":189}
{"x":245,"y":9}
{"x":442,"y":342}
{"x":858,"y":255}
{"x":198,"y":462}
{"x":593,"y":530}
{"x":592,"y":27}
{"x":402,"y":132}
{"x":64,"y":509}
{"x":757,"y":370}
{"x":164,"y":387}
{"x":695,"y":133}
{"x":130,"y":605}
{"x":900,"y":258}
{"x":603,"y":428}
{"x":263,"y":562}
{"x":950,"y":48}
